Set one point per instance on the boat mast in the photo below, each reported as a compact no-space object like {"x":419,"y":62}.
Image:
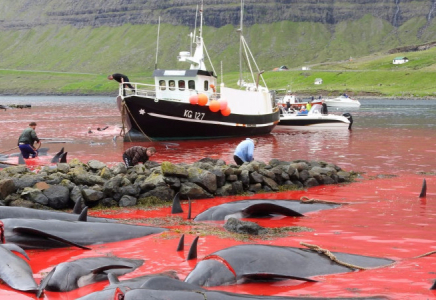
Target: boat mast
{"x":157,"y":44}
{"x":240,"y":43}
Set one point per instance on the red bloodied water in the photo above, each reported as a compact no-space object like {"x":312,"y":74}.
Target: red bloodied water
{"x":392,"y":144}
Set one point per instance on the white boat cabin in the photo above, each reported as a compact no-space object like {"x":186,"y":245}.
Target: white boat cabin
{"x":181,"y":84}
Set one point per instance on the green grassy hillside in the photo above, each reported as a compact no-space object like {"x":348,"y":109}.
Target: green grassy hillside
{"x":69,"y":60}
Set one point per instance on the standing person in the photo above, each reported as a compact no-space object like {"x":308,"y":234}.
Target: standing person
{"x":244,"y":151}
{"x":121,"y":78}
{"x":137,"y":154}
{"x":26,"y":140}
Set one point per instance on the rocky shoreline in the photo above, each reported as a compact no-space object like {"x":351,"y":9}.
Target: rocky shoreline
{"x":94,"y":183}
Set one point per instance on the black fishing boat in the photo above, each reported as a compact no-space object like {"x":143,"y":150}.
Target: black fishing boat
{"x":189,"y":104}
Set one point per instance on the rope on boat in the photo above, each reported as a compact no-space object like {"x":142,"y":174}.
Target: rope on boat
{"x":305,"y":199}
{"x":131,"y":116}
{"x":425,"y":254}
{"x":331,"y":256}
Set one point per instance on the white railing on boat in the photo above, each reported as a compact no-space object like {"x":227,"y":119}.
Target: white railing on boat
{"x":151,"y":90}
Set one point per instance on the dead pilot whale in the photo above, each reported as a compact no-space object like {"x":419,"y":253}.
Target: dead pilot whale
{"x":260,"y":208}
{"x":251,"y":262}
{"x":15,"y":271}
{"x":10,"y":212}
{"x":141,"y":294}
{"x":46,"y":234}
{"x":134,"y":283}
{"x":71,"y":275}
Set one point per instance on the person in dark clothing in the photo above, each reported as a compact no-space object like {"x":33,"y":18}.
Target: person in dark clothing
{"x":26,"y":140}
{"x":137,"y":154}
{"x":121,"y":78}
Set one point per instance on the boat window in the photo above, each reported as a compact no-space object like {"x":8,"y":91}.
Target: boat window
{"x":206,"y":85}
{"x":181,"y":85}
{"x":191,"y":84}
{"x":162,"y":85}
{"x":172,"y":85}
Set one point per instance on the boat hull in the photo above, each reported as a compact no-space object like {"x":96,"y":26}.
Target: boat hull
{"x":314,"y":121}
{"x":168,"y":119}
{"x":342,"y":102}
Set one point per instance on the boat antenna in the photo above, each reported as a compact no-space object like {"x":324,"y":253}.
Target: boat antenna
{"x":195,"y":28}
{"x":201,"y":20}
{"x":222,"y":76}
{"x":240,"y":43}
{"x":157,"y":44}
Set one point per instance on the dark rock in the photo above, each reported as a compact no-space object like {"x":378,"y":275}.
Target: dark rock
{"x":26,"y":181}
{"x":255,"y":177}
{"x":225,"y":190}
{"x":237,"y":187}
{"x":127,"y":200}
{"x":193,"y":191}
{"x":58,"y":196}
{"x":7,"y":187}
{"x":91,"y":195}
{"x":220,"y":176}
{"x":244,"y":227}
{"x":256,"y":187}
{"x":311,"y":182}
{"x":271,"y":184}
{"x":109,"y":202}
{"x":203,"y":178}
{"x":172,"y":181}
{"x":304,"y":175}
{"x":34,"y":195}
{"x":164,"y":193}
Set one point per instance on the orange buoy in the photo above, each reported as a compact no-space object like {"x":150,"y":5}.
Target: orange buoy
{"x":226,"y":112}
{"x":193,"y":99}
{"x":202,"y":99}
{"x":214,"y":105}
{"x":223,"y":104}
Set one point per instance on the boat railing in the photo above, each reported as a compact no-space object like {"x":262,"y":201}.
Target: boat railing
{"x":149,"y":90}
{"x":139,"y":89}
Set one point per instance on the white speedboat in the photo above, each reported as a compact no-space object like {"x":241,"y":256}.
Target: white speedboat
{"x":291,"y":100}
{"x":190,"y":104}
{"x":342,"y":101}
{"x":316,"y":117}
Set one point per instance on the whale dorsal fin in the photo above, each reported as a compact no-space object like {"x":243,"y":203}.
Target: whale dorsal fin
{"x":192,"y":254}
{"x":423,"y":189}
{"x":263,"y":276}
{"x":44,"y":283}
{"x":113,"y":279}
{"x":83,"y":217}
{"x":176,"y":207}
{"x":181,"y":244}
{"x":265,"y":209}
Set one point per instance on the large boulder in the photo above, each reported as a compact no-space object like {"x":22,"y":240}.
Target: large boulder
{"x":7,"y":187}
{"x":193,"y":191}
{"x":58,"y":196}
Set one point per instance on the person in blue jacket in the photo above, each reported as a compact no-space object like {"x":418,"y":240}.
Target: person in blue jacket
{"x":244,"y":151}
